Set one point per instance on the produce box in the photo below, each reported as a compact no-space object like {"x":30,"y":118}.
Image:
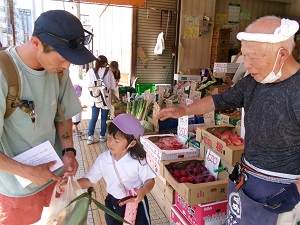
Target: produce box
{"x":176,"y":218}
{"x":195,"y":193}
{"x":148,"y":141}
{"x":216,"y":89}
{"x":226,"y":65}
{"x":116,"y":110}
{"x":180,"y":77}
{"x":210,"y":213}
{"x":230,"y":154}
{"x":155,"y":155}
{"x":224,"y":70}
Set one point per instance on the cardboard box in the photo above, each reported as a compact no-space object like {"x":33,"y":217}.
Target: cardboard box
{"x":224,"y":70}
{"x":226,"y":65}
{"x":211,"y":213}
{"x":161,"y":197}
{"x":230,"y":154}
{"x":148,"y":141}
{"x":177,"y":218}
{"x":156,"y":168}
{"x":196,"y":193}
{"x":194,"y":71}
{"x":216,"y":89}
{"x":117,"y":110}
{"x":180,"y":77}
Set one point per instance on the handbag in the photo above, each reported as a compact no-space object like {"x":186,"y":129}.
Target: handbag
{"x":131,"y":207}
{"x":60,"y":213}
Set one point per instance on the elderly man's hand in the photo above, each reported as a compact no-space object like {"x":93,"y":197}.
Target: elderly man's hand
{"x":171,"y":112}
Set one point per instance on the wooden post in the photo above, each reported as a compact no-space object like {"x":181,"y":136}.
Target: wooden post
{"x":11,"y":19}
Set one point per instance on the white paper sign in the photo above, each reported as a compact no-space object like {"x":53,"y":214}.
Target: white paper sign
{"x":183,"y":128}
{"x":42,"y":153}
{"x":212,"y":162}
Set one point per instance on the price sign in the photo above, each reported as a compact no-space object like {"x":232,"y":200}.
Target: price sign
{"x":224,"y":119}
{"x":184,"y":96}
{"x":195,"y":95}
{"x":212,"y":162}
{"x":209,"y":118}
{"x":182,"y":129}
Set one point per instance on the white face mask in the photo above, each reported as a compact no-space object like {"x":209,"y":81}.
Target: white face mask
{"x":272,"y":76}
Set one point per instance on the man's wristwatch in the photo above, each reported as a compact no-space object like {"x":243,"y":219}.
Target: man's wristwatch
{"x":69,"y":150}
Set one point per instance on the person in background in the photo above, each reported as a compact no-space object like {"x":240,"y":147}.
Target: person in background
{"x":114,"y":67}
{"x":110,"y":83}
{"x":77,"y":118}
{"x":264,"y":188}
{"x":58,"y":40}
{"x":124,"y":168}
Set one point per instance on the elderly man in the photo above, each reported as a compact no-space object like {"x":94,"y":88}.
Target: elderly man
{"x":264,"y":188}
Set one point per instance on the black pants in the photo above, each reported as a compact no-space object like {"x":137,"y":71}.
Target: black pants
{"x":112,"y":204}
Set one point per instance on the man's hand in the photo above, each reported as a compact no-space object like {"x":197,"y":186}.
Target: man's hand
{"x":171,"y":112}
{"x":71,"y":164}
{"x":40,"y":174}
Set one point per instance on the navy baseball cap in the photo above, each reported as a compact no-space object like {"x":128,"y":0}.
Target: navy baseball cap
{"x":64,"y":32}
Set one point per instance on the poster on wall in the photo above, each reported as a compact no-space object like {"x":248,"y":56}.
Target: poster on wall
{"x":191,"y":27}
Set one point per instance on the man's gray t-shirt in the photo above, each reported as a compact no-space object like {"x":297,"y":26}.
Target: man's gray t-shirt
{"x":272,"y":121}
{"x":17,"y":133}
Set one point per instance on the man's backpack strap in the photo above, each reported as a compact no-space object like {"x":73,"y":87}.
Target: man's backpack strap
{"x":60,"y":111}
{"x":10,"y":72}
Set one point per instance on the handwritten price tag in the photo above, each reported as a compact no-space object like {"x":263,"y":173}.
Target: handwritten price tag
{"x":182,"y":129}
{"x":212,"y":162}
{"x":209,"y":118}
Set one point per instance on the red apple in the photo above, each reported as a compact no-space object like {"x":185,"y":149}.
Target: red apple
{"x":184,"y":173}
{"x":177,"y":173}
{"x":183,"y":179}
{"x":217,"y":134}
{"x":191,"y":179}
{"x":233,"y":135}
{"x":236,"y":141}
{"x":224,"y":136}
{"x":227,"y":141}
{"x":210,"y":178}
{"x":197,"y":170}
{"x":205,"y":173}
{"x":174,"y":166}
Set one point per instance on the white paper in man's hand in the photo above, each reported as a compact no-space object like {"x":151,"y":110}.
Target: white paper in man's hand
{"x":42,"y":153}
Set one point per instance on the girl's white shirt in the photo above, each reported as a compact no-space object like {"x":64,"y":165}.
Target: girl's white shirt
{"x":132,"y":172}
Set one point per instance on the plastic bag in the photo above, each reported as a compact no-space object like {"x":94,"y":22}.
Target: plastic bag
{"x":74,"y":214}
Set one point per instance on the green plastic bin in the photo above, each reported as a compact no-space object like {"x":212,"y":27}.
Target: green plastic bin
{"x":142,"y":87}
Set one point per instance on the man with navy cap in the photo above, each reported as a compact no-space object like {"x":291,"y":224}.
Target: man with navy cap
{"x":57,"y":41}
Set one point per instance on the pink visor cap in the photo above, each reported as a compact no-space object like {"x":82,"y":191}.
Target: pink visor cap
{"x":128,"y":124}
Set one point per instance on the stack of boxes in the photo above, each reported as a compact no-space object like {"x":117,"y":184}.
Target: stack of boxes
{"x":220,"y":45}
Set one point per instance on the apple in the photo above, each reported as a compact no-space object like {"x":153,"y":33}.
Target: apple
{"x":174,"y":166}
{"x":197,"y":170}
{"x":224,"y":136}
{"x":203,"y":168}
{"x":210,"y":178}
{"x":200,"y":180}
{"x":233,"y":135}
{"x":227,"y":141}
{"x":189,"y":168}
{"x":236,"y":141}
{"x":199,"y":165}
{"x":217,"y":134}
{"x":192,"y":164}
{"x":177,"y":173}
{"x":191,"y":179}
{"x":205,"y":173}
{"x":183,"y":179}
{"x":184,"y":173}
